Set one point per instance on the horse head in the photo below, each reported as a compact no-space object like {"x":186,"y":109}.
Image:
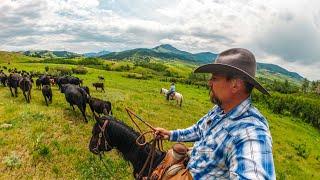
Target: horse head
{"x":100,"y":140}
{"x":109,"y":133}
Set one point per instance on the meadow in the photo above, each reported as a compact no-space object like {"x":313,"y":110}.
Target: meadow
{"x":40,"y":142}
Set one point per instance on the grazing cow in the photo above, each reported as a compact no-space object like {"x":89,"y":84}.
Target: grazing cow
{"x":38,"y":83}
{"x":3,"y":79}
{"x":68,"y":80}
{"x":74,"y":80}
{"x":76,"y":96}
{"x":99,"y":85}
{"x":101,"y":78}
{"x":26,"y":86}
{"x":62,"y":80}
{"x":13,"y":83}
{"x":47,"y":94}
{"x":45,"y":80}
{"x":86,"y":88}
{"x":100,"y":106}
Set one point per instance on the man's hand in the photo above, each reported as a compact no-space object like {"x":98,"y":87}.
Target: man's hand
{"x":165,"y":134}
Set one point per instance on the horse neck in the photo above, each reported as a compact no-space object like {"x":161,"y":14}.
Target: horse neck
{"x":123,"y":138}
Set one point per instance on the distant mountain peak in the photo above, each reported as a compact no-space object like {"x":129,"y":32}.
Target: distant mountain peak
{"x":167,"y":47}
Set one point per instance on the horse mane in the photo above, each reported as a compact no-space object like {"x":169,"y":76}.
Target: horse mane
{"x":123,"y":137}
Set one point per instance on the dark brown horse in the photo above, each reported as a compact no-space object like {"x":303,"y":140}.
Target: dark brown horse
{"x":25,"y":85}
{"x":109,"y":133}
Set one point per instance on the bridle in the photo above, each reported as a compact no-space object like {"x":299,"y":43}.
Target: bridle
{"x":102,"y":134}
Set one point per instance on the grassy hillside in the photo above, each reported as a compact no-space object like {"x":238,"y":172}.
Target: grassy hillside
{"x":52,"y":142}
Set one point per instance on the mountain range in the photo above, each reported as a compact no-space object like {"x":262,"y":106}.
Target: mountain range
{"x":98,"y":54}
{"x":164,"y":51}
{"x":51,"y":54}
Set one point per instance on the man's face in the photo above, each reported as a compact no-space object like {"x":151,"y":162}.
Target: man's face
{"x":220,"y":89}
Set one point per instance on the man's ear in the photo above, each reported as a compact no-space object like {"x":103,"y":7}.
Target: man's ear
{"x":236,"y":85}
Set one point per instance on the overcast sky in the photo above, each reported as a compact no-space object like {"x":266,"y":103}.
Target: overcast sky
{"x":283,"y":32}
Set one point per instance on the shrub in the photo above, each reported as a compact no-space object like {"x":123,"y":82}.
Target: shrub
{"x":90,"y":61}
{"x":46,"y":68}
{"x":137,"y":76}
{"x":63,"y":70}
{"x":79,"y":70}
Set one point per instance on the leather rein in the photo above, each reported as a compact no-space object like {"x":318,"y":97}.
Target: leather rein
{"x":156,"y":142}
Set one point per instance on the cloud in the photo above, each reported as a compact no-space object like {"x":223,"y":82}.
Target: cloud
{"x":282,"y":32}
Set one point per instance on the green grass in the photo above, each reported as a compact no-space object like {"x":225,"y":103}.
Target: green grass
{"x":52,"y":142}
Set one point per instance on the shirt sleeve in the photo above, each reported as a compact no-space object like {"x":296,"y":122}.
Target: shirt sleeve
{"x":190,"y":134}
{"x":250,"y":155}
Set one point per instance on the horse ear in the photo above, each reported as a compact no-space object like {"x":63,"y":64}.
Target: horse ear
{"x":97,"y":118}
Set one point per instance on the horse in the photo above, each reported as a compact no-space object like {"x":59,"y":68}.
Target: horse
{"x":174,"y":96}
{"x":109,"y":133}
{"x":26,"y":86}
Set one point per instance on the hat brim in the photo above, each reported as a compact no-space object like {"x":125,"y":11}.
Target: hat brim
{"x":217,"y":68}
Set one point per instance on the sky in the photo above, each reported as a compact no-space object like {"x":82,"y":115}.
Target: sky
{"x":286,"y":32}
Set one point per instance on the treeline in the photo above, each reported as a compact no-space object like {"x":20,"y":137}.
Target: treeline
{"x":293,"y":104}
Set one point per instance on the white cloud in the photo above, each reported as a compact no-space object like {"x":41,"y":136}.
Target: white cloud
{"x":285,"y":32}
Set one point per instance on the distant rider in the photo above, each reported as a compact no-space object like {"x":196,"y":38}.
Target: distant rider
{"x":171,"y":90}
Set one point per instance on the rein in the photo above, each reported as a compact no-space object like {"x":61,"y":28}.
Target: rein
{"x":155,"y":142}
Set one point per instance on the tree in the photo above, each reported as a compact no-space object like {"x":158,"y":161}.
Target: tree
{"x":46,"y":68}
{"x":305,"y":85}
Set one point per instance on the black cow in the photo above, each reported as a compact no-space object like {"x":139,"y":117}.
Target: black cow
{"x":98,"y":85}
{"x":101,"y":78}
{"x":76,"y":96}
{"x":100,"y":106}
{"x":74,"y":80}
{"x":45,"y":80}
{"x":86,"y":88}
{"x":3,"y":79}
{"x":47,"y":93}
{"x":38,"y":83}
{"x":68,"y":80}
{"x":26,"y":86}
{"x":13,"y":83}
{"x":62,"y":80}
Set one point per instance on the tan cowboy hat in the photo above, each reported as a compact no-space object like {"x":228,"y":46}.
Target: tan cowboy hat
{"x":236,"y":61}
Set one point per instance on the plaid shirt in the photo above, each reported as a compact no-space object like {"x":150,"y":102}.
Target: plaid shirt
{"x":236,"y":145}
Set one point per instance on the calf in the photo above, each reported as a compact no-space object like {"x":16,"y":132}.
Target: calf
{"x":100,"y":106}
{"x":47,"y":94}
{"x":76,"y":96}
{"x":99,"y":85}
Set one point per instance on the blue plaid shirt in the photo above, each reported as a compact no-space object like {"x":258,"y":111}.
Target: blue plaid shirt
{"x":236,"y":145}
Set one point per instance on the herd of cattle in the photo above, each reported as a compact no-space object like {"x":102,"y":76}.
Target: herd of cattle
{"x":70,"y":86}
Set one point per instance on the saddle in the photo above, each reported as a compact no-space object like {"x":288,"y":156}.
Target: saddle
{"x":172,"y":95}
{"x":173,"y":165}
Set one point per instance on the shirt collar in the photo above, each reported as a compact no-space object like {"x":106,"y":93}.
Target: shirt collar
{"x":236,"y":111}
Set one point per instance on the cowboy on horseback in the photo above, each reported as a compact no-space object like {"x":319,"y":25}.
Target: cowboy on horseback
{"x":232,"y":141}
{"x":171,"y":91}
